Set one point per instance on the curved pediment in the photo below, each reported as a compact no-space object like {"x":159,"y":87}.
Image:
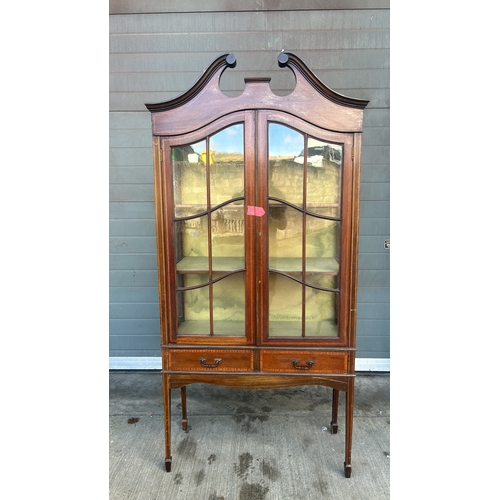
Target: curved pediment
{"x":310,"y":100}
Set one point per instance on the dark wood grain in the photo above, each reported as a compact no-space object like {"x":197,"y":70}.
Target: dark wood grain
{"x":242,"y":353}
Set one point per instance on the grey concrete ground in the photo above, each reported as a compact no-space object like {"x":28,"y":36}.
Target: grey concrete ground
{"x":246,"y":445}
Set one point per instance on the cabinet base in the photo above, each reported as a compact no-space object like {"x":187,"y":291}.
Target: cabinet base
{"x":338,"y":382}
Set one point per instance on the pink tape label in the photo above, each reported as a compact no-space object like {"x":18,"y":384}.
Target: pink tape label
{"x":257,"y":211}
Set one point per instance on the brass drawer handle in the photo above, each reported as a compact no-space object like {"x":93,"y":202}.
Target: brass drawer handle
{"x":295,"y":363}
{"x":217,"y":362}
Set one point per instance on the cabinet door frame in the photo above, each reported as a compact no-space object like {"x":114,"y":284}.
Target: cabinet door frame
{"x":264,"y":117}
{"x":169,"y":304}
{"x":255,"y":123}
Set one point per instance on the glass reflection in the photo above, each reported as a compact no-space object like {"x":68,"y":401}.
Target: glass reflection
{"x":191,"y":243}
{"x":226,"y":164}
{"x":321,"y":314}
{"x":322,"y":247}
{"x":323,"y":176}
{"x":228,"y":232}
{"x":190,"y":179}
{"x":229,"y":305}
{"x":193,"y":311}
{"x":285,"y":175}
{"x":285,"y":307}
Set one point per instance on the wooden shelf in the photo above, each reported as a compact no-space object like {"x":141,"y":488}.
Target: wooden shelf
{"x":315,"y":265}
{"x":325,"y":328}
{"x":199,"y":265}
{"x":221,"y":328}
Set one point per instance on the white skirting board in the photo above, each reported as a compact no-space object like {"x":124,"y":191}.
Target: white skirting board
{"x":154,"y":363}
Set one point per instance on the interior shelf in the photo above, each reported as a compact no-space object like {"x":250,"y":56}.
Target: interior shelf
{"x":316,"y":265}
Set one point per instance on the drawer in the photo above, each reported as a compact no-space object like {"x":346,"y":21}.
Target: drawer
{"x":303,"y":362}
{"x":223,"y":360}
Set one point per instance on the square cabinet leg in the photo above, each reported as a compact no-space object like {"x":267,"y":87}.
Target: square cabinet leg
{"x":184,"y":422}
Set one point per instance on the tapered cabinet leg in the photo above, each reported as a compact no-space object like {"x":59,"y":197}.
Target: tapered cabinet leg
{"x":348,"y":426}
{"x":335,"y":409}
{"x":347,"y":470}
{"x":184,"y":409}
{"x":166,"y":421}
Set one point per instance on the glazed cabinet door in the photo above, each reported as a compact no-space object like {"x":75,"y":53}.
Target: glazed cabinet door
{"x":257,"y":246}
{"x":305,"y":190}
{"x":209,"y":178}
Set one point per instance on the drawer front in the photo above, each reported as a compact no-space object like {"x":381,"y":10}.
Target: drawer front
{"x":223,"y":360}
{"x":303,"y":362}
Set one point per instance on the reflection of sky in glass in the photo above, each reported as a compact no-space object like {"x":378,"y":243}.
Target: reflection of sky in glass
{"x":284,"y":141}
{"x":199,"y":147}
{"x":229,"y":140}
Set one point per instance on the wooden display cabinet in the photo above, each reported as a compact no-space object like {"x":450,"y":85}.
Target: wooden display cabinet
{"x":257,"y":208}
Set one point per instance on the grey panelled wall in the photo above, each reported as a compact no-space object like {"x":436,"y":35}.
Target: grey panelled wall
{"x":157,"y":55}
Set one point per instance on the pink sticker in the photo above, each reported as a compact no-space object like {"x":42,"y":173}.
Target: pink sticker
{"x":257,"y":211}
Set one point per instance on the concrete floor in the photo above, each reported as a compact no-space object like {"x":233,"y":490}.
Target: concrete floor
{"x":246,"y":445}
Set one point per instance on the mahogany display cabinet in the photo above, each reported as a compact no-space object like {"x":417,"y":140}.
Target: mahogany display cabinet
{"x":257,"y":210}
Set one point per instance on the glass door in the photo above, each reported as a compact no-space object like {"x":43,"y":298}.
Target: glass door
{"x":302,"y":262}
{"x":208,"y":181}
{"x":258,"y":245}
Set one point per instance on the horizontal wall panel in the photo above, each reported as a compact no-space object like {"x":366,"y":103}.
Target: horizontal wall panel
{"x":134,"y":310}
{"x":122,"y":121}
{"x":131,"y":157}
{"x":373,"y":294}
{"x":181,"y":6}
{"x":373,"y":278}
{"x":131,"y":175}
{"x":375,"y":118}
{"x":132,"y":210}
{"x":375,"y":191}
{"x":374,"y":260}
{"x":367,"y":354}
{"x":131,"y":277}
{"x":158,"y":82}
{"x":376,"y":346}
{"x":269,"y":24}
{"x":375,"y":136}
{"x":133,"y":294}
{"x":373,"y":311}
{"x":375,"y":172}
{"x":145,"y":343}
{"x":135,"y":353}
{"x":372,"y":244}
{"x":132,"y":244}
{"x":251,"y":61}
{"x":131,"y":192}
{"x":136,"y":227}
{"x":374,"y":154}
{"x":215,"y":45}
{"x":374,"y":208}
{"x":133,"y":261}
{"x":372,"y":327}
{"x":130,"y":138}
{"x":135,"y":327}
{"x":374,"y":226}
